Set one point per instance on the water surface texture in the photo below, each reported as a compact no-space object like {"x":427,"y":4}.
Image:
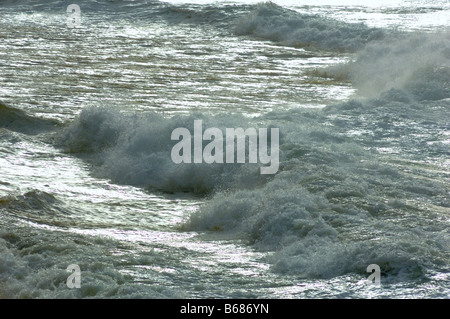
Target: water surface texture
{"x":360,"y":93}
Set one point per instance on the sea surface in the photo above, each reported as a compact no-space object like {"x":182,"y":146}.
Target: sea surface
{"x":89,"y":98}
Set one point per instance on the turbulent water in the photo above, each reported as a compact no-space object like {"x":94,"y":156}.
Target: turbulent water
{"x":359,"y":91}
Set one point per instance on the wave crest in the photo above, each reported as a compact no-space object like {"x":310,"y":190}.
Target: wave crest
{"x":272,"y":22}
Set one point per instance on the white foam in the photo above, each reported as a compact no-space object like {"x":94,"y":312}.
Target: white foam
{"x":136,"y":149}
{"x":418,"y":63}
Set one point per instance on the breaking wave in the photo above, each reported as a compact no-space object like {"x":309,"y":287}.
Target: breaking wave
{"x":343,"y":198}
{"x":272,"y":22}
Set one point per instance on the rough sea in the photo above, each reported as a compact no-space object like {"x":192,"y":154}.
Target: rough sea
{"x":91,"y":91}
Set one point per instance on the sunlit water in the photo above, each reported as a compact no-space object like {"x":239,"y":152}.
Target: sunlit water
{"x":360,"y":93}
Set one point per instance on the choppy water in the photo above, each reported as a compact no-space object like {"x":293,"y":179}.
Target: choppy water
{"x":360,"y":93}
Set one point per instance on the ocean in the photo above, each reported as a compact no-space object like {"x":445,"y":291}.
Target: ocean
{"x":93,"y":204}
